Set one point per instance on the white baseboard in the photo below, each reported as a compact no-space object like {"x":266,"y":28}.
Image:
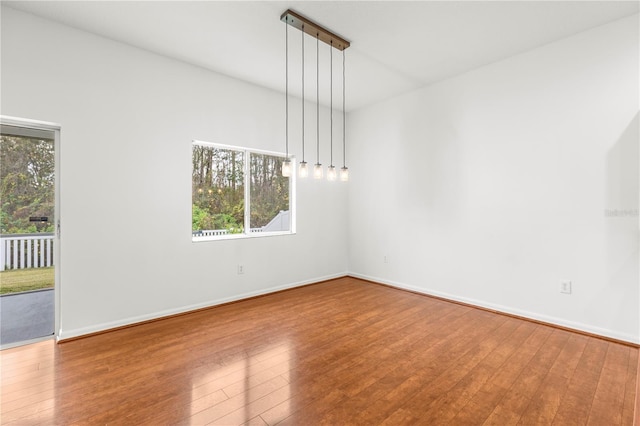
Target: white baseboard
{"x":507,"y":310}
{"x":78,"y":332}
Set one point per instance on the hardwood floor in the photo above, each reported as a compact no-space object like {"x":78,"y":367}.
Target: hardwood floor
{"x":340,"y":352}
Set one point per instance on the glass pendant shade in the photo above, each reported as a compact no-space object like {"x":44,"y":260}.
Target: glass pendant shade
{"x":331,"y":173}
{"x":344,"y":174}
{"x":286,"y":168}
{"x":303,"y":171}
{"x":317,"y":171}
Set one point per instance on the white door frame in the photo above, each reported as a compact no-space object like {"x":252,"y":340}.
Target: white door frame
{"x":55,"y":128}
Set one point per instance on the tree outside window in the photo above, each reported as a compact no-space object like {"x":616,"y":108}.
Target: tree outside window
{"x":221,"y":204}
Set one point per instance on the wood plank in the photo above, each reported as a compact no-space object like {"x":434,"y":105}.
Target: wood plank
{"x":608,"y":400}
{"x":530,"y":382}
{"x":340,"y":352}
{"x":452,"y":390}
{"x":508,"y":391}
{"x":544,"y":404}
{"x":575,"y":406}
{"x":631,"y":388}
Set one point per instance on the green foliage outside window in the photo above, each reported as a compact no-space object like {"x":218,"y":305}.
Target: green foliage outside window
{"x":26,"y":184}
{"x":218,"y":188}
{"x":269,"y":190}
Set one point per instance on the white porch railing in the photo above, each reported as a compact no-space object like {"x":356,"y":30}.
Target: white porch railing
{"x":20,"y":251}
{"x":279,"y":223}
{"x":215,"y":232}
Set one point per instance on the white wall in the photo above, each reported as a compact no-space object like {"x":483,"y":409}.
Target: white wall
{"x":128,"y":118}
{"x":488,"y":188}
{"x":492,"y":187}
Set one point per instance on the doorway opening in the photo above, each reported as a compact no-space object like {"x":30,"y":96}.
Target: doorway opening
{"x":28,"y":232}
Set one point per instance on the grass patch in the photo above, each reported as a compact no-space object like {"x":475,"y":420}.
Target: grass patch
{"x":19,"y":280}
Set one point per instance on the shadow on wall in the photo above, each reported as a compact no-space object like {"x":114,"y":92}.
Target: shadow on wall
{"x":621,"y":212}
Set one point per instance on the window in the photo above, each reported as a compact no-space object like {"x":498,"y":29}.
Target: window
{"x":238,"y":192}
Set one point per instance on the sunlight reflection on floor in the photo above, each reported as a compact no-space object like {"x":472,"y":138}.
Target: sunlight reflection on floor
{"x":241,"y":390}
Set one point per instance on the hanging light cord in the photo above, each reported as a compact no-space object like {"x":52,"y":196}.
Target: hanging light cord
{"x":331,"y":98}
{"x":286,"y":35}
{"x":317,"y":98}
{"x":302,"y":32}
{"x":344,"y":118}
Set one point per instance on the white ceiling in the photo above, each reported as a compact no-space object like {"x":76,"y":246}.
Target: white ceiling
{"x":395,"y":46}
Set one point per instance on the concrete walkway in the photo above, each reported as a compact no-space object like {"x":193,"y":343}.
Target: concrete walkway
{"x":26,"y":316}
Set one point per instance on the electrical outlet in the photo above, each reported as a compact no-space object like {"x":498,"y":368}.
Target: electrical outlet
{"x":565,"y":287}
{"x":386,"y":259}
{"x":240,"y":269}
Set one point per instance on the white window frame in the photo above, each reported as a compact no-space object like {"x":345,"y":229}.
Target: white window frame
{"x":247,"y":194}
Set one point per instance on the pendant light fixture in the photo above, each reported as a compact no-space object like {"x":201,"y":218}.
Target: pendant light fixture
{"x":331,"y":170}
{"x":335,"y":42}
{"x":344,"y":171}
{"x":303,"y":171}
{"x":317,"y":169}
{"x":286,"y":164}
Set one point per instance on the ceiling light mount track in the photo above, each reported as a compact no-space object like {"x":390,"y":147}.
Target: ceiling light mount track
{"x":314,"y":30}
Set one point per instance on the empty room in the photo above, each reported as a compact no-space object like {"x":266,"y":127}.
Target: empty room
{"x":320,"y":212}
